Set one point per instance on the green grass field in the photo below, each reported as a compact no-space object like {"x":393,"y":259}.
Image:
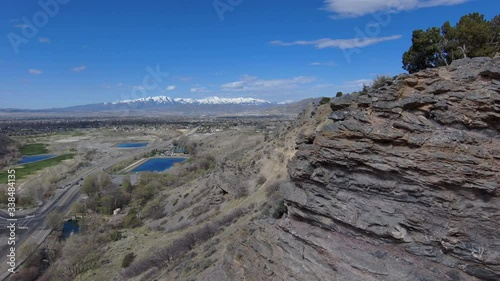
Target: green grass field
{"x":31,"y":168}
{"x":33,"y":149}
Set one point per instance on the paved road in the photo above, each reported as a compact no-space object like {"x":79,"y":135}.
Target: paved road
{"x":33,"y":228}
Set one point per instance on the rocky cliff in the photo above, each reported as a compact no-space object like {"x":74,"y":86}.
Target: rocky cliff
{"x":398,"y":183}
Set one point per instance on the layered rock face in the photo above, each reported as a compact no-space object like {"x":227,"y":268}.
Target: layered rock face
{"x":404,"y":181}
{"x":398,"y":183}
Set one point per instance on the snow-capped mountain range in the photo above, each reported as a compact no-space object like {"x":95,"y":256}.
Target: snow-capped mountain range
{"x":205,"y":101}
{"x":173,"y":106}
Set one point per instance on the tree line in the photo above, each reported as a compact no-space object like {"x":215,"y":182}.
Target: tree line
{"x":472,"y":36}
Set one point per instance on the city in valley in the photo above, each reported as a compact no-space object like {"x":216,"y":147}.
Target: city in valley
{"x":112,"y":174}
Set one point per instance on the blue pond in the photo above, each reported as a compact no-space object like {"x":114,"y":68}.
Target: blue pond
{"x":34,"y":158}
{"x":132,"y":144}
{"x":158,"y":164}
{"x":69,"y":228}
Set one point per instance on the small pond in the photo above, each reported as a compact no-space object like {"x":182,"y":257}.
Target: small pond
{"x":70,"y":227}
{"x":158,"y":164}
{"x":35,"y":158}
{"x":132,"y":144}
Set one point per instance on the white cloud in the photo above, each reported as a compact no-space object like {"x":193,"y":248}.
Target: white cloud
{"x":326,"y":63}
{"x":171,"y":88}
{"x":339,"y":43}
{"x":79,"y":68}
{"x":199,"y":90}
{"x":44,"y":40}
{"x":357,"y":8}
{"x":119,"y":85}
{"x":251,"y":83}
{"x":35,"y":71}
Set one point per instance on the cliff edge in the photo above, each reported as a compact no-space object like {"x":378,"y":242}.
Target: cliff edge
{"x":398,"y":183}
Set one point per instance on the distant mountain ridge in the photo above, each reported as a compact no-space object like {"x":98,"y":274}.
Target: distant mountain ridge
{"x":167,"y":105}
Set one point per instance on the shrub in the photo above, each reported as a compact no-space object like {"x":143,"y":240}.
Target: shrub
{"x":279,"y":209}
{"x":380,"y":81}
{"x":128,"y":259}
{"x":131,"y":220}
{"x":144,"y":193}
{"x":90,"y":186}
{"x":206,"y":264}
{"x":126,"y":184}
{"x":261,"y":180}
{"x":103,"y":180}
{"x":161,"y":257}
{"x":229,"y":218}
{"x":324,"y":101}
{"x":273,"y":189}
{"x":240,"y":190}
{"x":200,"y":209}
{"x":115,"y":235}
{"x":177,"y":227}
{"x":158,"y":213}
{"x":154,"y":209}
{"x":339,"y":94}
{"x":265,"y":210}
{"x":78,"y":207}
{"x":365,"y":90}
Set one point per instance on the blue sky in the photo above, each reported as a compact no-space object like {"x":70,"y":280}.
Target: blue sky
{"x":97,"y":51}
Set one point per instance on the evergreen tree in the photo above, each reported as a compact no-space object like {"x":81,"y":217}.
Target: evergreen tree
{"x":472,"y":36}
{"x":424,"y":51}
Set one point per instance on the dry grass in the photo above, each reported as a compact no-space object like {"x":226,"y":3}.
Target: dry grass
{"x":185,"y":224}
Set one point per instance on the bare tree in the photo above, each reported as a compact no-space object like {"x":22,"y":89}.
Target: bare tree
{"x":55,"y":219}
{"x":463,"y":49}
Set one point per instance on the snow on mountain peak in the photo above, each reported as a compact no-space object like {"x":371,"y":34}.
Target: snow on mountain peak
{"x":209,"y":100}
